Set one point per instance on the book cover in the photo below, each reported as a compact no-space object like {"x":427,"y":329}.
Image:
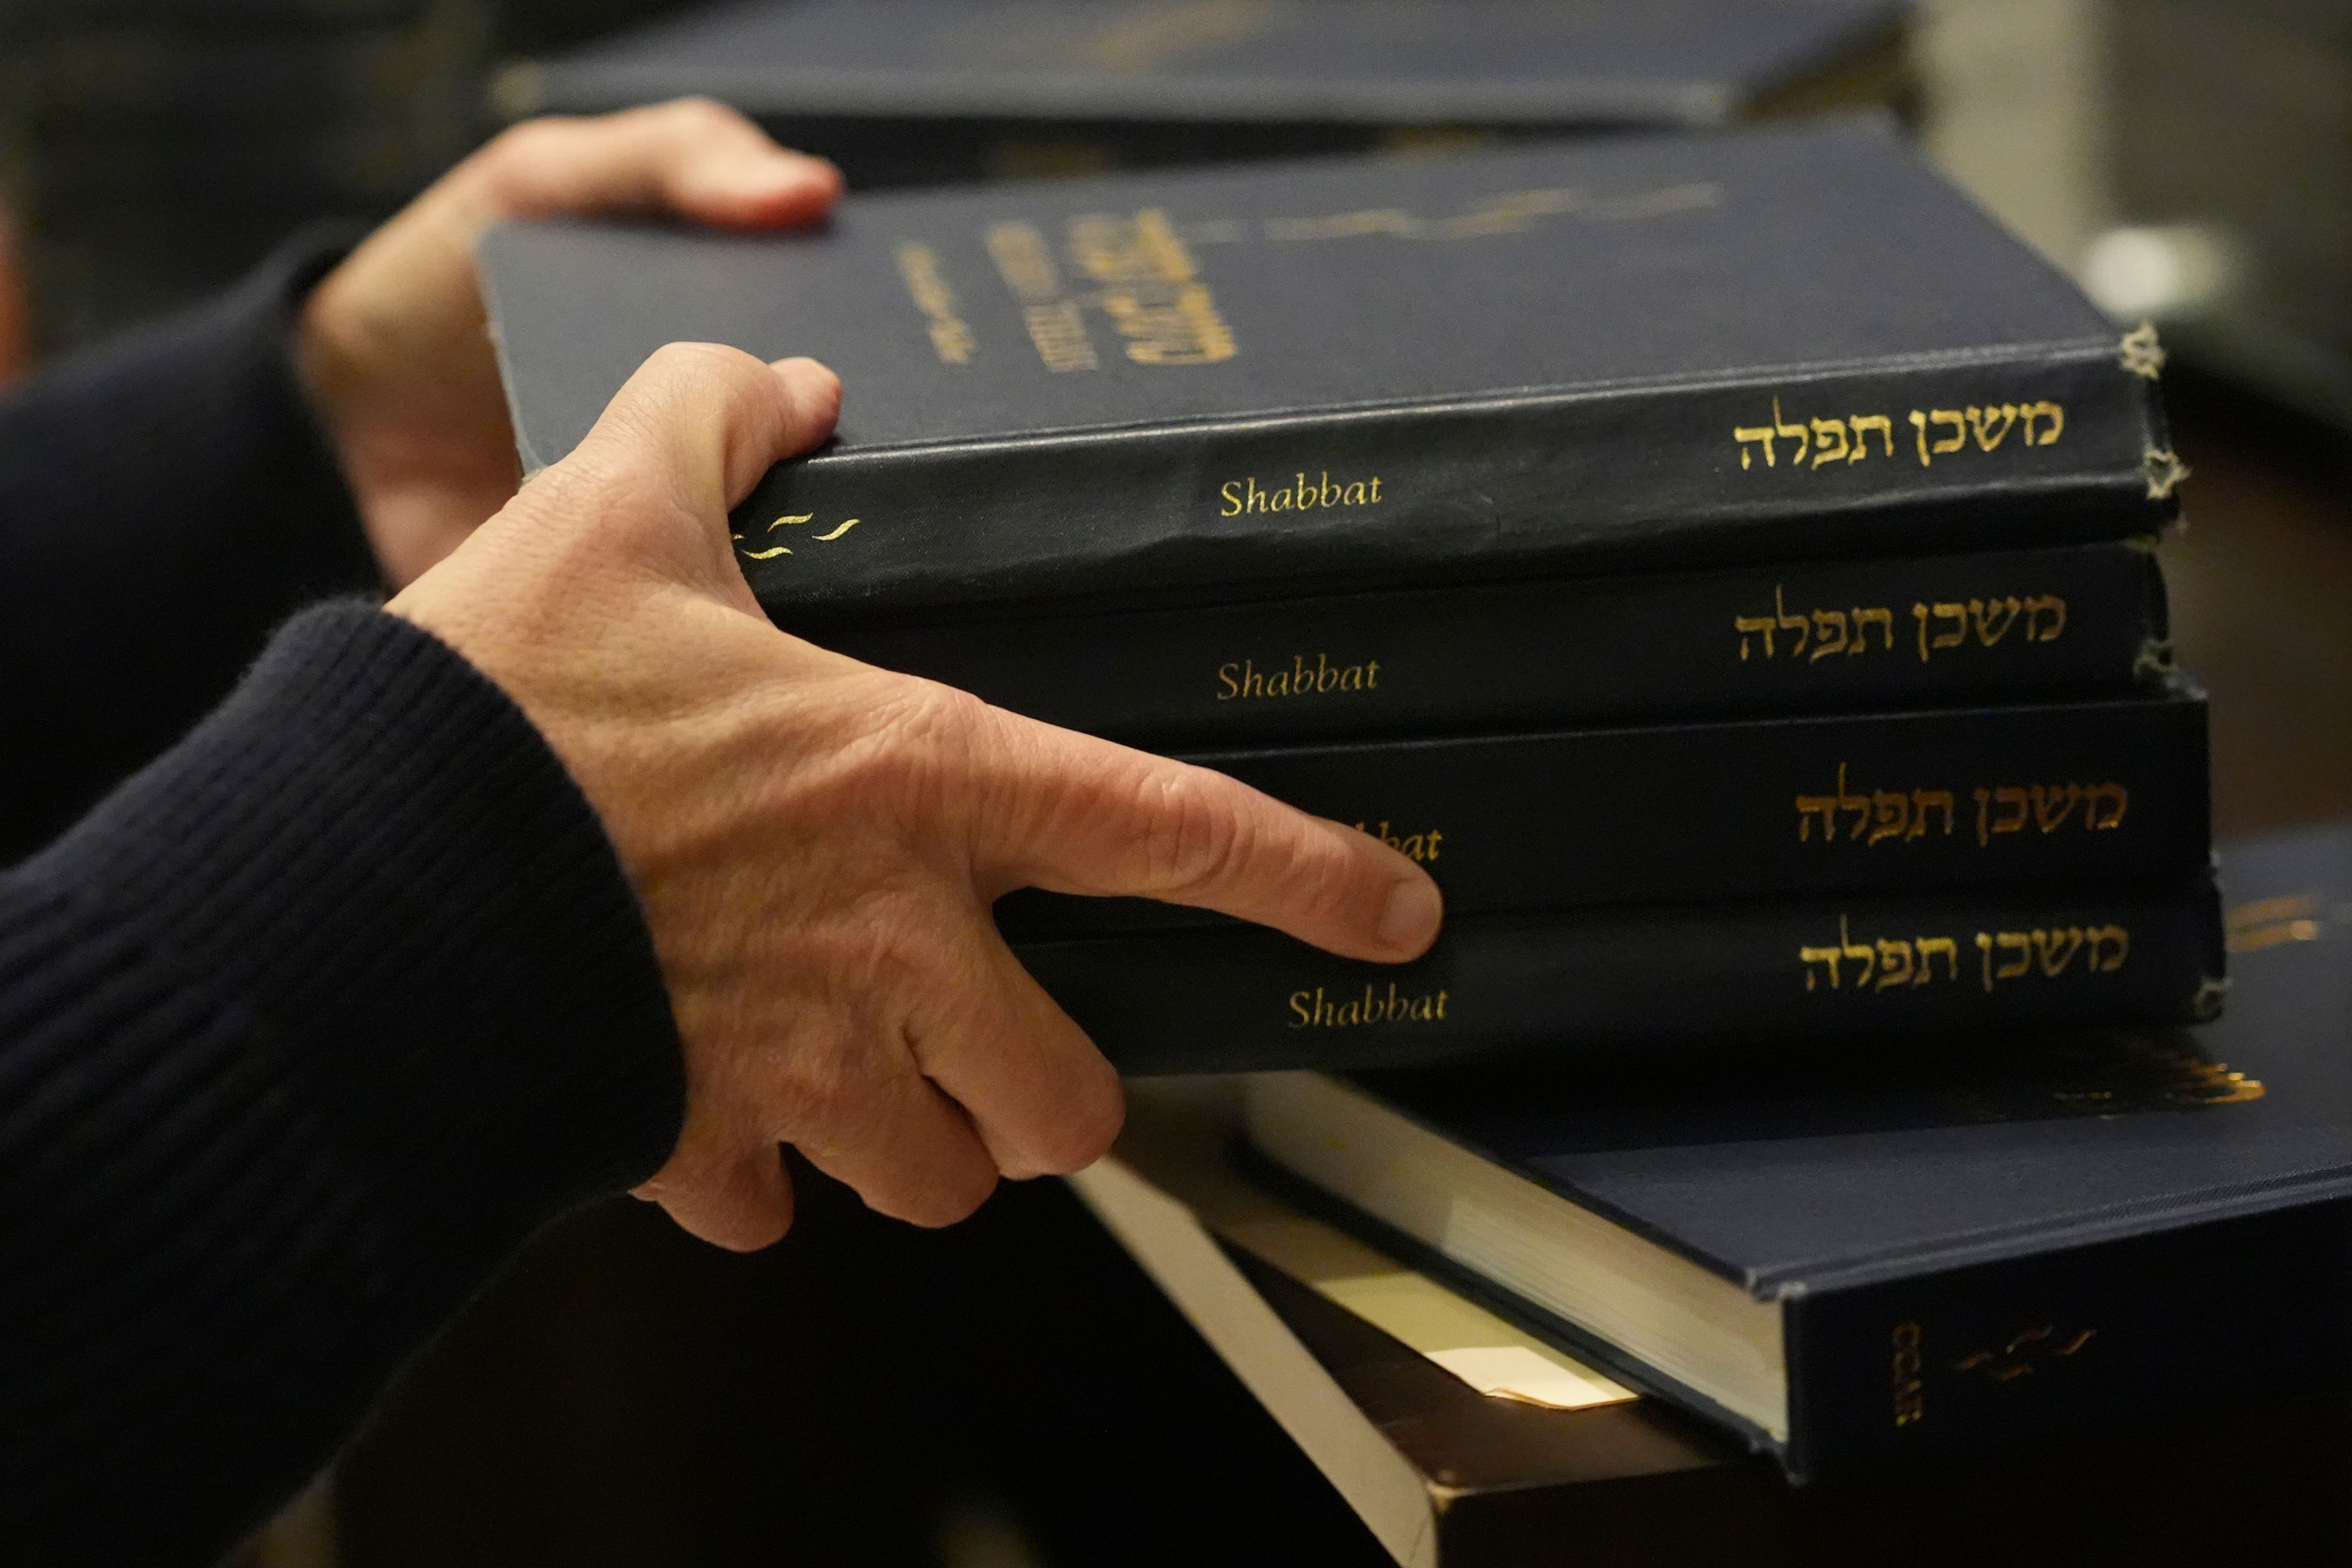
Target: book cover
{"x":1638,"y":982}
{"x":1959,"y":1249}
{"x":1323,"y":376}
{"x":1321,"y":64}
{"x":1800,"y":637}
{"x":2108,"y":792}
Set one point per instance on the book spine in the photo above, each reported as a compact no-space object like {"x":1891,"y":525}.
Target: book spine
{"x":2092,"y":1335}
{"x":1978,"y":453}
{"x":1823,"y":636}
{"x":2051,"y":795}
{"x":1235,"y":999}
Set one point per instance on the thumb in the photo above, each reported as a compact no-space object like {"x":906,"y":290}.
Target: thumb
{"x":700,"y":423}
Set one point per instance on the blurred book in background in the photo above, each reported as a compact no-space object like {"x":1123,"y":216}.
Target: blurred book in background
{"x":2231,"y":160}
{"x":924,"y":91}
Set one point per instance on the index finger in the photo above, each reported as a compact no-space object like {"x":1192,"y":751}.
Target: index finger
{"x":1075,"y":814}
{"x":692,"y":157}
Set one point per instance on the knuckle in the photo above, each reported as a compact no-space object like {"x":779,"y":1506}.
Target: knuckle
{"x":523,"y":147}
{"x":1196,"y":838}
{"x":949,"y":1197}
{"x":700,"y":112}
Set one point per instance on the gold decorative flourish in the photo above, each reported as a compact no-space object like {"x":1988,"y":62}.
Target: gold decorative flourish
{"x":792,"y":520}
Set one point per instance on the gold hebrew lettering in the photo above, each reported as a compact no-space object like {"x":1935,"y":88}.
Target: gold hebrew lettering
{"x":2009,"y":795}
{"x":1994,"y":617}
{"x":1827,"y":806}
{"x":1788,"y":622}
{"x":1787,"y":432}
{"x":1941,"y":445}
{"x":2054,"y":804}
{"x":2100,"y":816}
{"x":1862,"y":424}
{"x":1890,"y":813}
{"x":1823,"y":622}
{"x":1925,"y":800}
{"x":1744,"y":434}
{"x":1927,"y":947}
{"x":1857,"y":804}
{"x":1822,"y":451}
{"x":1991,"y":425}
{"x":1919,"y":614}
{"x":1883,"y":619}
{"x":1955,"y":614}
{"x":2018,"y":942}
{"x":2049,"y":411}
{"x":1809,"y":956}
{"x":1751,"y":625}
{"x":2042,"y":604}
{"x":2055,"y":949}
{"x":1888,"y":951}
{"x":1808,"y":804}
{"x":1862,"y":953}
{"x":2099,"y":937}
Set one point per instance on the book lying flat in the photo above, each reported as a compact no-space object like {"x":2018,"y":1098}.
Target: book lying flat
{"x":1323,"y":376}
{"x":931,"y":89}
{"x":1898,"y":1251}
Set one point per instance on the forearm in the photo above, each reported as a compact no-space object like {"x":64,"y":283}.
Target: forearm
{"x":164,"y":504}
{"x":301,"y":1031}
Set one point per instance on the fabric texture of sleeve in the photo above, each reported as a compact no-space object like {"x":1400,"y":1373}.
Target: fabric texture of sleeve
{"x":302,"y":1030}
{"x":164,"y":503}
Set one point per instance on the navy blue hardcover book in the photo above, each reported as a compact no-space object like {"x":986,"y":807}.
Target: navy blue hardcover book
{"x":2083,"y":794}
{"x":1316,"y":377}
{"x":1578,"y":985}
{"x":929,"y":90}
{"x":1906,"y":1249}
{"x":1812,"y":636}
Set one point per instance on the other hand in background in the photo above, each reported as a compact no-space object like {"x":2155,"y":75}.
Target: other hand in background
{"x":394,"y":345}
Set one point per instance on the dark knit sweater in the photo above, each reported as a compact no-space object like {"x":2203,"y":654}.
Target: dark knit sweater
{"x":306,"y":1024}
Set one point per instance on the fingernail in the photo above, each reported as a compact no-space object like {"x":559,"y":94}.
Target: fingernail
{"x":1410,"y":922}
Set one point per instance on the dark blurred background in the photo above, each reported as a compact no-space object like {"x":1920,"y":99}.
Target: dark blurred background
{"x":1015,"y":1392}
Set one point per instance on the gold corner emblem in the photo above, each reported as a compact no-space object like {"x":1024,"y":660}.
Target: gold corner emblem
{"x":793,"y":520}
{"x":2165,"y":472}
{"x":2140,"y":353}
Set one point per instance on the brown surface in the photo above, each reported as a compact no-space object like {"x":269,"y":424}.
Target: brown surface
{"x":2261,"y":606}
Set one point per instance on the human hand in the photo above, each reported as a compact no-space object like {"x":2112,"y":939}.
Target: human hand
{"x":816,"y":842}
{"x":394,"y":347}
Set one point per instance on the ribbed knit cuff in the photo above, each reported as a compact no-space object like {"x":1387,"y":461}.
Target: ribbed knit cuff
{"x":302,"y":1030}
{"x":371,"y":845}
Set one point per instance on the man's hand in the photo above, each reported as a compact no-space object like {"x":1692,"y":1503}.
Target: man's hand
{"x":816,"y":842}
{"x":394,"y":347}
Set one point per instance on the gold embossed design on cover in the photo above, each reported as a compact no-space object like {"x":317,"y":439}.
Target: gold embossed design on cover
{"x":798,"y":519}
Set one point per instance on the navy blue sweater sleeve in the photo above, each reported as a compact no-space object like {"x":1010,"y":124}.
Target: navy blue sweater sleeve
{"x":302,"y":1030}
{"x":164,"y":504}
